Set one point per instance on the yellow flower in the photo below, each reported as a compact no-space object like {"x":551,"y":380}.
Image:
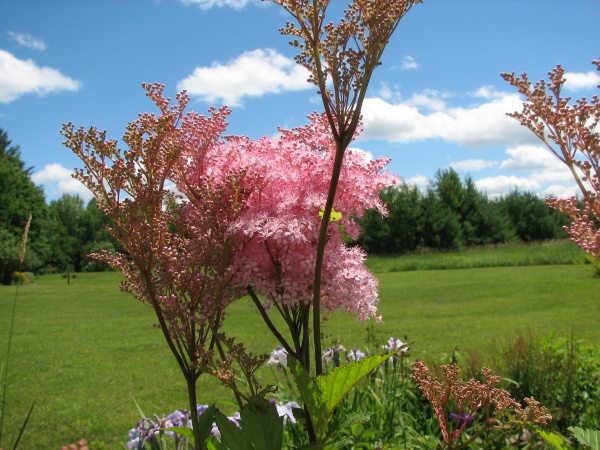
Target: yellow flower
{"x":334,"y":216}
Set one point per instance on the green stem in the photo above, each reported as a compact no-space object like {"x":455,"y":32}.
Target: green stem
{"x":270,"y":324}
{"x":191,"y":385}
{"x":335,"y":176}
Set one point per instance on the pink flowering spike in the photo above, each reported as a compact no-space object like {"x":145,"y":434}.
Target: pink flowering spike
{"x":570,"y":130}
{"x":470,"y":397}
{"x":172,"y":196}
{"x":277,"y":233}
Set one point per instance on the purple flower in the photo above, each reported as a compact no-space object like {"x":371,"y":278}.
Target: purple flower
{"x":463,"y":419}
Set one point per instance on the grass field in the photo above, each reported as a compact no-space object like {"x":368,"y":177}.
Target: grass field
{"x":84,"y":351}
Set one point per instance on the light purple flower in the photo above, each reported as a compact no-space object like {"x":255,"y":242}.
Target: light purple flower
{"x":286,"y":411}
{"x":330,"y":354}
{"x":278,"y":357}
{"x":355,"y":355}
{"x":394,"y":345}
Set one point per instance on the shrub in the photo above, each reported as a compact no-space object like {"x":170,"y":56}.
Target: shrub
{"x":562,"y":373}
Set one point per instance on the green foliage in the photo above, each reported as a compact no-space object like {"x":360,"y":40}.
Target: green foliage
{"x":10,"y":250}
{"x":590,"y":438}
{"x":324,"y":393}
{"x":561,"y":373}
{"x":554,"y":440}
{"x":260,"y":427}
{"x":531,"y":218}
{"x":19,"y":197}
{"x":452,"y":214}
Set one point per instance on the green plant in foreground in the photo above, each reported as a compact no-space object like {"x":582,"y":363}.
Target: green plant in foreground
{"x":589,"y":438}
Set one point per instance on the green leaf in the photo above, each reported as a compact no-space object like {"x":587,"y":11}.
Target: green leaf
{"x":205,"y":422}
{"x":261,"y":424}
{"x":587,"y":437}
{"x":311,"y":394}
{"x":213,"y":443}
{"x":353,"y":419}
{"x":323,"y":394}
{"x":554,"y":440}
{"x":232,"y":436}
{"x":336,"y":385}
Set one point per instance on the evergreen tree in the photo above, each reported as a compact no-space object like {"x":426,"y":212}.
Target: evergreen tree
{"x":19,"y":197}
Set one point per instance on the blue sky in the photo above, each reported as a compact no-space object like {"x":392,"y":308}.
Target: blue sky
{"x":437,"y":101}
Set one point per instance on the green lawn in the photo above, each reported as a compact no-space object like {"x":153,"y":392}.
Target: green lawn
{"x":84,"y":351}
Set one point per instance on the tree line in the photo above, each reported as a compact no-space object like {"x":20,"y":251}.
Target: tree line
{"x":62,"y":233}
{"x":450,"y":214}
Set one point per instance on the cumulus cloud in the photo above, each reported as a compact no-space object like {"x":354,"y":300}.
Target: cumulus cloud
{"x":579,"y":81}
{"x":207,"y":4}
{"x":500,"y":185}
{"x":529,"y":168}
{"x":27,"y":40}
{"x":470,"y":165}
{"x":529,"y":157}
{"x":480,"y":125}
{"x":409,"y":63}
{"x":252,"y":74}
{"x":19,"y":77}
{"x":57,"y":180}
{"x":420,"y":181}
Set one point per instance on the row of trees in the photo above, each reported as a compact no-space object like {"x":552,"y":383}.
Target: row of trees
{"x":62,"y":232}
{"x":452,"y":214}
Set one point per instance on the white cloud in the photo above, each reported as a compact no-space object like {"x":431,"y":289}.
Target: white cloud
{"x":578,"y":81}
{"x":27,"y":40}
{"x":252,"y":74}
{"x":476,"y":126}
{"x":529,"y":168}
{"x":19,"y":77}
{"x":207,"y":4}
{"x":529,"y":157}
{"x":58,"y":180}
{"x":469,"y":165}
{"x":429,"y":99}
{"x":409,"y":63}
{"x":420,"y":181}
{"x":500,"y":185}
{"x":562,"y":191}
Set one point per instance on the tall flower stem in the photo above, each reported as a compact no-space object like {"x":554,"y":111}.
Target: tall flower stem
{"x":192,"y":396}
{"x":335,"y":176}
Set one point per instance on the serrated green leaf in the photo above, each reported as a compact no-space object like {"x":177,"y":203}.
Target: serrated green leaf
{"x":587,"y":437}
{"x":261,"y":424}
{"x":353,"y":419}
{"x":323,"y":394}
{"x":311,"y":394}
{"x":554,"y":440}
{"x":336,"y":385}
{"x":232,"y":436}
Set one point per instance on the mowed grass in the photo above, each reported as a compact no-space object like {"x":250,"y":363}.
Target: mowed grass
{"x":84,"y":351}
